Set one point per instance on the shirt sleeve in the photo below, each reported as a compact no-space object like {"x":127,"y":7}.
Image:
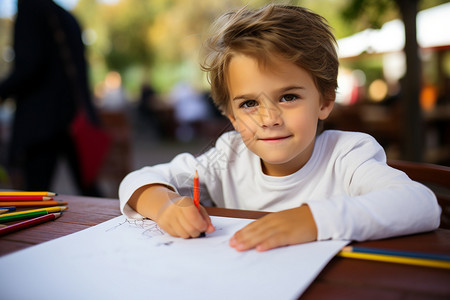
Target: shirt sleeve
{"x":380,"y":202}
{"x":178,"y":175}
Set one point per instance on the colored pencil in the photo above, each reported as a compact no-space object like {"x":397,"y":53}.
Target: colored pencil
{"x":196,"y":191}
{"x":34,"y":203}
{"x":24,"y":198}
{"x":2,"y":225}
{"x":397,"y":253}
{"x":22,"y":216}
{"x":397,"y":259}
{"x":47,"y":194}
{"x":29,"y":223}
{"x":25,"y":213}
{"x":7,"y":209}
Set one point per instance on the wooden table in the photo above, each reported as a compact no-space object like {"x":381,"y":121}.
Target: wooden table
{"x":342,"y":278}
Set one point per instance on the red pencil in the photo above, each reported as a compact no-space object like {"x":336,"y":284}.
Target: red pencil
{"x":197,"y":197}
{"x":24,"y":198}
{"x":28,"y":223}
{"x":196,"y":191}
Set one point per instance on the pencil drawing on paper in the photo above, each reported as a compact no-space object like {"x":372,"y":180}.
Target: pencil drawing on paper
{"x":150,"y":228}
{"x":165,"y":243}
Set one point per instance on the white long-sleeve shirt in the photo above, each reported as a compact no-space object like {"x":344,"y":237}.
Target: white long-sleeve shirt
{"x":351,"y":191}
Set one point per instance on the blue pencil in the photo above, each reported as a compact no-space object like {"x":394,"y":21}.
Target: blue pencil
{"x":7,"y":209}
{"x":442,"y":257}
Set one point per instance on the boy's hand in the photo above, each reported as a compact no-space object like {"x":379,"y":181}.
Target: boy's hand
{"x":287,"y":227}
{"x":175,"y":214}
{"x":181,"y":218}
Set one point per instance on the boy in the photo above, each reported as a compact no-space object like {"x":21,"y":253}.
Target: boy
{"x":273,"y":73}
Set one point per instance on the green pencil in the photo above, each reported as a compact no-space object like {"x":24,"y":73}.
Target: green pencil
{"x":25,"y":215}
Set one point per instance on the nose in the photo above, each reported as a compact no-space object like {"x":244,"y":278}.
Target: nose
{"x":270,"y":115}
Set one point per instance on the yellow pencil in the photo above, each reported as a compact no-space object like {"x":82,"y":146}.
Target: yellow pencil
{"x":397,"y":259}
{"x":50,"y":209}
{"x":48,"y":194}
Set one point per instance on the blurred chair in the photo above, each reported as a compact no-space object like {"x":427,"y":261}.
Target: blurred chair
{"x":118,"y":161}
{"x":436,"y":177}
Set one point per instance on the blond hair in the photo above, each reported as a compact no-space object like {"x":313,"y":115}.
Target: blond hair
{"x":291,"y":32}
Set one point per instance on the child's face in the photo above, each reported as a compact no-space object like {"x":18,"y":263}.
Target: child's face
{"x":276,"y":109}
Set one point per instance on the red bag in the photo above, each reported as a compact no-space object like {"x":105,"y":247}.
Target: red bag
{"x":92,"y":144}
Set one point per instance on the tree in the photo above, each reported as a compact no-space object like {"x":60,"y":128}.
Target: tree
{"x":373,"y":13}
{"x":412,"y":117}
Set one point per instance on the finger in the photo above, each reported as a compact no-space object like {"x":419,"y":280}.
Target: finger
{"x":167,"y":228}
{"x":196,"y":218}
{"x":179,"y":230}
{"x":271,"y":242}
{"x":186,"y":223}
{"x":257,"y":233}
{"x":210,"y":227}
{"x":248,"y":237}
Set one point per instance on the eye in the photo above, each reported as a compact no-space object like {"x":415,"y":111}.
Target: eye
{"x":248,"y":104}
{"x":288,"y":98}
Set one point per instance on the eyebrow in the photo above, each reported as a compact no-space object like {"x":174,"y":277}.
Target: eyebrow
{"x":282,"y":90}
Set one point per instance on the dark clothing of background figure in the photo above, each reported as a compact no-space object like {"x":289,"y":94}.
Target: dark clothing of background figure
{"x":45,"y":105}
{"x":149,"y":113}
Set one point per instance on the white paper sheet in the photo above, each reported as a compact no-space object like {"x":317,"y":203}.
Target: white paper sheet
{"x":122,"y":259}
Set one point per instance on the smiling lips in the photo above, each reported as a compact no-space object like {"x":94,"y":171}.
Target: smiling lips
{"x":275,"y":139}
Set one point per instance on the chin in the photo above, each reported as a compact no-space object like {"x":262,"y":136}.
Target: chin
{"x":275,"y":160}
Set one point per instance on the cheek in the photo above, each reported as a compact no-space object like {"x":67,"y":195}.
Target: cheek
{"x":302,"y":121}
{"x":241,"y":121}
{"x":245,"y":125}
{"x":247,"y":129}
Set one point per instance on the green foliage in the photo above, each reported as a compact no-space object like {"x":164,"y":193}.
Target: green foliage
{"x":6,"y":27}
{"x":159,"y":40}
{"x":148,"y":37}
{"x":372,"y":66}
{"x":362,"y":14}
{"x":370,"y":13}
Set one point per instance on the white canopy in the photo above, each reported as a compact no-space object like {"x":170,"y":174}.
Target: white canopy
{"x":433,"y":30}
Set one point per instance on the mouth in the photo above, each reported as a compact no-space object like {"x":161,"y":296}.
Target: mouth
{"x":275,"y":139}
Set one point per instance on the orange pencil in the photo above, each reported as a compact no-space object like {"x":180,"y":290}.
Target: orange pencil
{"x":197,"y":197}
{"x":34,"y":203}
{"x":196,"y":191}
{"x":47,"y":194}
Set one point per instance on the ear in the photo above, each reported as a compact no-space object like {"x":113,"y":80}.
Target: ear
{"x":233,"y":121}
{"x":325,"y":109}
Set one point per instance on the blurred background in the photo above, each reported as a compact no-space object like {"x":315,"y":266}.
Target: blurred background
{"x":152,"y":97}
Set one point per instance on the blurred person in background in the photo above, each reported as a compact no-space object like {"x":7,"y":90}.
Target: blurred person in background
{"x":43,"y":92}
{"x":150,"y":111}
{"x":190,"y":108}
